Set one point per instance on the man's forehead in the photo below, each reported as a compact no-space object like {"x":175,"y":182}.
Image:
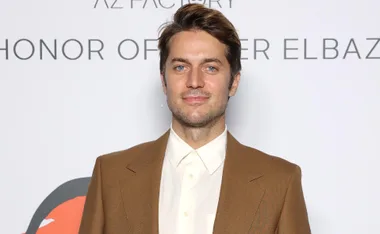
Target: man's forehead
{"x":192,"y":40}
{"x":196,"y":47}
{"x":197,"y":55}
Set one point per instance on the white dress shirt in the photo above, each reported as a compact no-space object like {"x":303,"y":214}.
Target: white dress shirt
{"x":190,"y":185}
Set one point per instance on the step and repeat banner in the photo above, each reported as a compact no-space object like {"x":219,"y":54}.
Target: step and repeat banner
{"x":79,"y":79}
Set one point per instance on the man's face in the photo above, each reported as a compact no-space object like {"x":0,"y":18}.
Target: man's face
{"x":197,"y":74}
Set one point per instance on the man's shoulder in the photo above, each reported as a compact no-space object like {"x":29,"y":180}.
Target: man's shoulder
{"x":270,"y":163}
{"x":125,"y":156}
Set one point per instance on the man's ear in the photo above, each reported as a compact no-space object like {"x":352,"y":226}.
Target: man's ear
{"x":163,"y":81}
{"x":234,"y":85}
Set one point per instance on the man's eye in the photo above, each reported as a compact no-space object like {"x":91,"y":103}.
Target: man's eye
{"x":211,"y":68}
{"x":179,"y":68}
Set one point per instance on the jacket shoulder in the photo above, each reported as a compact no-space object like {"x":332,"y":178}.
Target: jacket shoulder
{"x":123,"y":157}
{"x":271,"y":164}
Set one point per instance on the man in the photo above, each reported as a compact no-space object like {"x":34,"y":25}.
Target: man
{"x":196,"y":178}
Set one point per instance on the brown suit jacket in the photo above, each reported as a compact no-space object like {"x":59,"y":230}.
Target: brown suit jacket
{"x":260,"y":194}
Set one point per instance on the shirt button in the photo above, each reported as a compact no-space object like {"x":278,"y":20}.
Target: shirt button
{"x":186,"y":214}
{"x":191,"y":176}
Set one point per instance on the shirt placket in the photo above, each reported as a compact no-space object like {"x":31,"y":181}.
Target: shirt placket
{"x":187,"y":200}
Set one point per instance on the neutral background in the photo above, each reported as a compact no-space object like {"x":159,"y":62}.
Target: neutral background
{"x":58,"y":115}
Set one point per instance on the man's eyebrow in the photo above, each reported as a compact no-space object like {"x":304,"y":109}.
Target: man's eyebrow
{"x":176,"y":59}
{"x":209,"y":60}
{"x":206,"y":60}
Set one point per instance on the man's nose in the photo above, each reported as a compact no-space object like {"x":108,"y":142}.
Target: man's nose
{"x":195,"y":79}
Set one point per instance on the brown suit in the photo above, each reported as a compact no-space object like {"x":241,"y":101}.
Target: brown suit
{"x":260,"y":194}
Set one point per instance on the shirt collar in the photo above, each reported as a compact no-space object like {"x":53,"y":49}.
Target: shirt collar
{"x":212,"y":154}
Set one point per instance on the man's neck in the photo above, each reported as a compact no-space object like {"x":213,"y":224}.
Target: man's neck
{"x":198,"y":137}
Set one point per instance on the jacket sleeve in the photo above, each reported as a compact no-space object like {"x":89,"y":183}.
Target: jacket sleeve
{"x":294,"y":216}
{"x":93,"y":215}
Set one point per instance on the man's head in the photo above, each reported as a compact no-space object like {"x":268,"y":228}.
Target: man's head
{"x":199,"y":64}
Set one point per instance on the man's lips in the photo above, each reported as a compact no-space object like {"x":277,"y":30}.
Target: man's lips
{"x":195,"y":99}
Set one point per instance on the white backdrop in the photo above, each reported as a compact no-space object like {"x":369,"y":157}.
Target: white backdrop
{"x":58,"y":115}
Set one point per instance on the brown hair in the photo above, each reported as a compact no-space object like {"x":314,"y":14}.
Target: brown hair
{"x":195,"y":16}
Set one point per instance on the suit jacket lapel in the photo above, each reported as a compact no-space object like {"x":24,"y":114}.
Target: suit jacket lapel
{"x":240,"y":194}
{"x":140,"y":187}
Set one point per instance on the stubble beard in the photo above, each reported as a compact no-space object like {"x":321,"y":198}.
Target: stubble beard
{"x":205,"y":121}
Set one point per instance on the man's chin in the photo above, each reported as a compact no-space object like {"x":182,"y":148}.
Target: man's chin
{"x":194,"y":124}
{"x":198,"y":122}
